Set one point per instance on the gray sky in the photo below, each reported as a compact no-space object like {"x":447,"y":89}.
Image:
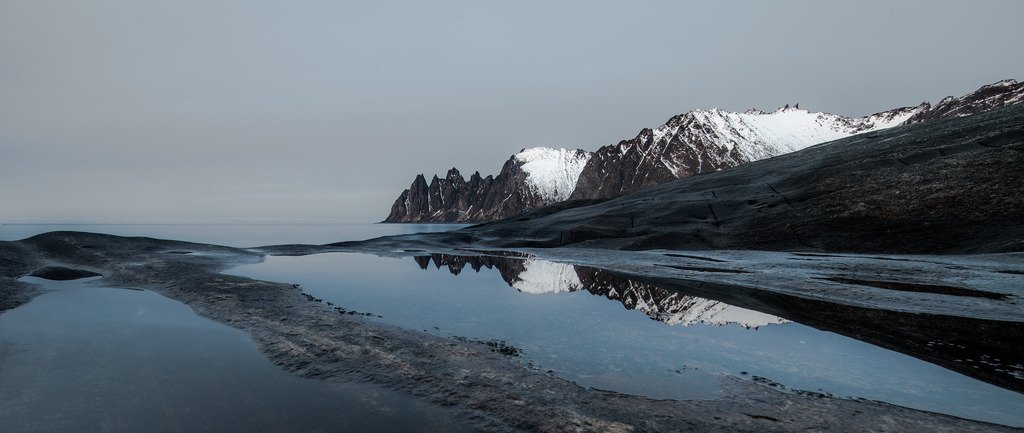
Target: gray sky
{"x":212,"y":111}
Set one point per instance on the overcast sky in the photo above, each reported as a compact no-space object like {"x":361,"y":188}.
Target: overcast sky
{"x":213,"y":111}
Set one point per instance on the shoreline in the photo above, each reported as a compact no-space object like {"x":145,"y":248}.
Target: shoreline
{"x":492,"y":391}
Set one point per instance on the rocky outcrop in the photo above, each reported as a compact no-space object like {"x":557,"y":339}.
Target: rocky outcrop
{"x":529,"y":180}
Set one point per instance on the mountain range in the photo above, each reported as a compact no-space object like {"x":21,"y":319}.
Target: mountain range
{"x":695,"y":142}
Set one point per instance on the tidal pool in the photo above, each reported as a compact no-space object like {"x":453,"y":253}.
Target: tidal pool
{"x":608,"y":332}
{"x":82,"y":358}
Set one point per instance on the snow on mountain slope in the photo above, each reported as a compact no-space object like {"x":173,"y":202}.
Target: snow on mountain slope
{"x":552,"y":173}
{"x":758,"y":135}
{"x":701,"y":141}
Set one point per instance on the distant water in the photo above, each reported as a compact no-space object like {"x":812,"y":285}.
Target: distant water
{"x":92,"y":359}
{"x":235,"y":235}
{"x":613,"y":333}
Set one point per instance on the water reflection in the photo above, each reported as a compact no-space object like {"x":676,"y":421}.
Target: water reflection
{"x":550,"y":312}
{"x":536,"y":276}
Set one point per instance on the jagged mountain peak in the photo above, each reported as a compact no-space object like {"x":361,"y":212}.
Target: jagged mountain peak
{"x":532,"y":178}
{"x":454,"y":175}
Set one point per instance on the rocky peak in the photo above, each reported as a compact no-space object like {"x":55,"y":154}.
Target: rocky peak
{"x":988,"y":97}
{"x":533,"y":178}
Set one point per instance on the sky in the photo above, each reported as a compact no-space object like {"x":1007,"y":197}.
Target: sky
{"x":324,"y":111}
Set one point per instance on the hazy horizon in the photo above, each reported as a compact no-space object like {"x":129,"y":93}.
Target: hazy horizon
{"x":145,"y":111}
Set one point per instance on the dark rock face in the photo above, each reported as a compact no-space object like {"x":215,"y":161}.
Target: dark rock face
{"x":452,"y":199}
{"x":992,"y":96}
{"x":940,"y":187}
{"x":444,"y":200}
{"x":632,"y":165}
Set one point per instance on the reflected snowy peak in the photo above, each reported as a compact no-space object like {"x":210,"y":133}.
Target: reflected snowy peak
{"x":542,"y":276}
{"x":531,"y":275}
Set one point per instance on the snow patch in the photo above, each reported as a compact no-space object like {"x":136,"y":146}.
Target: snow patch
{"x":764,"y":135}
{"x":751,"y":135}
{"x":551,"y":174}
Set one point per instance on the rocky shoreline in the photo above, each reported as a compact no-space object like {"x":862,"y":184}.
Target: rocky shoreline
{"x":491,"y":390}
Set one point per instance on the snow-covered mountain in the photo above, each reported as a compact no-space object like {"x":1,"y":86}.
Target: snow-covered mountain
{"x":698,"y":141}
{"x":703,"y":141}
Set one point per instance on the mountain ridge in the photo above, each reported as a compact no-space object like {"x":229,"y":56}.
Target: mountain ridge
{"x":695,"y":142}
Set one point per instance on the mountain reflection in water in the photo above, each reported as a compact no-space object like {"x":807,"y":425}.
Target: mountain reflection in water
{"x":988,"y":350}
{"x":535,"y":276}
{"x":550,"y":312}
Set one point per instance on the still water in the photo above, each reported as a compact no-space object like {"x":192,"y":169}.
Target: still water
{"x":612,"y":333}
{"x":93,"y":359}
{"x":234,"y":235}
{"x":69,"y":356}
